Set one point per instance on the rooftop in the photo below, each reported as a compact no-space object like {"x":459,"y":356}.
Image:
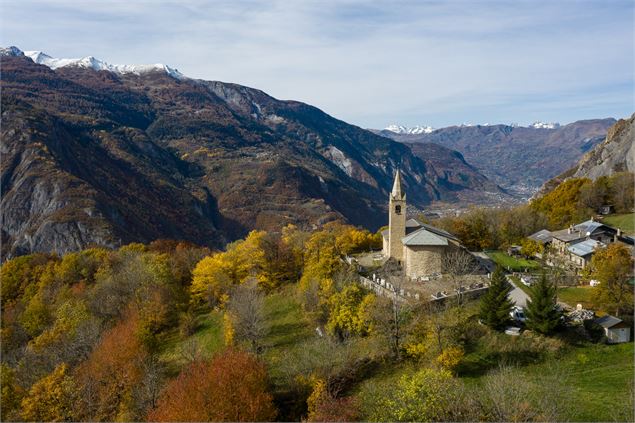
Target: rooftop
{"x":428,"y":235}
{"x":608,"y":321}
{"x":567,"y":235}
{"x":584,"y":248}
{"x":589,"y":226}
{"x":543,"y":236}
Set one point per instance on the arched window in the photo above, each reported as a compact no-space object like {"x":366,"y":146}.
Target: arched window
{"x":398,"y":209}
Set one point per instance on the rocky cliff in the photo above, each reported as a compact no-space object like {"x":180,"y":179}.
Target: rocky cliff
{"x":615,"y":154}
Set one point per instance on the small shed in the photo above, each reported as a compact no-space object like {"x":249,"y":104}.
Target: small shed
{"x":615,"y":329}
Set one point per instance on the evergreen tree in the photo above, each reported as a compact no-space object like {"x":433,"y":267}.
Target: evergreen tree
{"x":542,"y":313}
{"x":495,"y":305}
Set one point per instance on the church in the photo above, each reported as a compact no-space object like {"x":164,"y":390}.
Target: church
{"x":418,"y":247}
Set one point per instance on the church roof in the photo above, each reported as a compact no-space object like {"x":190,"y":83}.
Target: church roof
{"x":428,"y":235}
{"x":396,"y":188}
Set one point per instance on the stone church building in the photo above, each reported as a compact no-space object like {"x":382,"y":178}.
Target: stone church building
{"x":418,"y":247}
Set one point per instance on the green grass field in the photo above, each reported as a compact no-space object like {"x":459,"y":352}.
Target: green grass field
{"x":512,"y":263}
{"x":601,"y":379}
{"x":576,"y":295}
{"x":625,"y":222}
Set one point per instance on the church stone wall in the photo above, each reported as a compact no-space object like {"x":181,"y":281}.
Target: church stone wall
{"x":422,"y":260}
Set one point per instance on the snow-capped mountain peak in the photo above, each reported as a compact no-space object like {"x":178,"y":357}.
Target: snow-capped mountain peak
{"x":90,"y":62}
{"x":545,"y":125}
{"x":11,"y":51}
{"x":415,"y":130}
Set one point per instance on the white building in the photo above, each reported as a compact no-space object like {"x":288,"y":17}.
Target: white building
{"x":615,"y":329}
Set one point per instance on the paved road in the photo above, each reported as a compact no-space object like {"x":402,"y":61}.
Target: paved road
{"x":517,"y":295}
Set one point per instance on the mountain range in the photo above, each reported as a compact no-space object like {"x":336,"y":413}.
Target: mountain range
{"x":519,"y":159}
{"x":99,"y":154}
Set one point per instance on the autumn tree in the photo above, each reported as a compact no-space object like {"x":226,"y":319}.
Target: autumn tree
{"x":11,"y":393}
{"x":350,"y":312}
{"x":622,"y":191}
{"x":529,"y":247}
{"x":425,"y":396}
{"x":215,"y":275}
{"x":111,"y":374}
{"x":51,"y":398}
{"x":324,"y":407}
{"x":561,"y":205}
{"x":612,"y":267}
{"x":232,"y":386}
{"x":474,"y":229}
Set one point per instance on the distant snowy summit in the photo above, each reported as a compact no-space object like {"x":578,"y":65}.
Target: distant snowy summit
{"x":89,"y":62}
{"x":545,"y":125}
{"x":415,"y":130}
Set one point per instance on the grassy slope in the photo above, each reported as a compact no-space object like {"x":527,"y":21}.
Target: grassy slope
{"x":600,"y":374}
{"x":576,"y":295}
{"x":625,"y":222}
{"x":512,"y":263}
{"x":601,"y":377}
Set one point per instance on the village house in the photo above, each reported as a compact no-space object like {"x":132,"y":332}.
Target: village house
{"x":578,"y":242}
{"x":418,"y":247}
{"x":579,"y":255}
{"x":615,"y":329}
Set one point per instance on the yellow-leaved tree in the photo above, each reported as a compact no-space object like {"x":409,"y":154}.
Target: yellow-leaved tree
{"x":612,"y":267}
{"x":350,"y":312}
{"x":214,"y":275}
{"x":51,"y":398}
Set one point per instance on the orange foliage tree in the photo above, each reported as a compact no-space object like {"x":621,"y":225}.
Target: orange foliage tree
{"x":230,"y":387}
{"x":111,"y":373}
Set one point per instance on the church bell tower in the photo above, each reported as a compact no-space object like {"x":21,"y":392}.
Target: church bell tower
{"x":396,"y":219}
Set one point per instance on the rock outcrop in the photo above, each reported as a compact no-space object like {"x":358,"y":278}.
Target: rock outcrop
{"x":615,"y":154}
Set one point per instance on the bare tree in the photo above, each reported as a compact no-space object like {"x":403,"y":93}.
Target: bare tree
{"x":246,"y":309}
{"x":457,"y":265}
{"x":506,"y":397}
{"x":389,"y":312}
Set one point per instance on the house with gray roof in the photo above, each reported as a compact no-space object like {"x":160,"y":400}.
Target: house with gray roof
{"x":542,"y":237}
{"x":615,"y":329}
{"x":580,"y":253}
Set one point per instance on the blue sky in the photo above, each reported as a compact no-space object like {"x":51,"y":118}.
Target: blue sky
{"x":369,"y":63}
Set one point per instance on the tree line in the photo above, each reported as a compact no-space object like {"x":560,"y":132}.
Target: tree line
{"x":573,"y":201}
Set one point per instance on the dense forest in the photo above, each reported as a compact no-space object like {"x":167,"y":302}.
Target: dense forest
{"x":274,"y":327}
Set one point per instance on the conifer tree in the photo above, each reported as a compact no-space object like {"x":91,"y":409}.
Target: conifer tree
{"x":542,"y":314}
{"x":495,"y":305}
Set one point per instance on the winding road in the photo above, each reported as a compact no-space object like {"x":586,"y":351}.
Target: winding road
{"x":516,"y":294}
